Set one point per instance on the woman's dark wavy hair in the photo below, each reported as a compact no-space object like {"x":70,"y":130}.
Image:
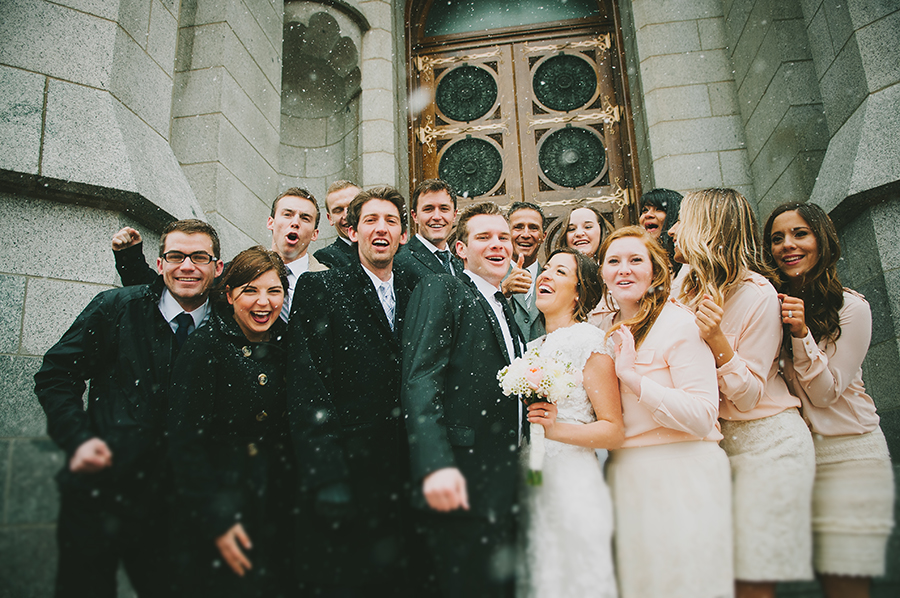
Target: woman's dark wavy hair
{"x":246,"y":267}
{"x":667,"y":201}
{"x":821,"y":289}
{"x":589,"y":287}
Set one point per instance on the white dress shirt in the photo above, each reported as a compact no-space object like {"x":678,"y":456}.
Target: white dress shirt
{"x":533,"y":270}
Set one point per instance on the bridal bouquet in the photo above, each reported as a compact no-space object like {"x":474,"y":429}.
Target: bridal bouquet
{"x":537,"y":379}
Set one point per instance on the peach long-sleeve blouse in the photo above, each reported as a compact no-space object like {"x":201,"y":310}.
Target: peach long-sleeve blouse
{"x":678,"y":400}
{"x":828,"y":376}
{"x":750,"y":384}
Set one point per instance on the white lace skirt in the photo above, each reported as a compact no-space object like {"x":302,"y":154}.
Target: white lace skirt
{"x":853,"y":504}
{"x":772,"y":470}
{"x":568,"y":524}
{"x":673,"y":521}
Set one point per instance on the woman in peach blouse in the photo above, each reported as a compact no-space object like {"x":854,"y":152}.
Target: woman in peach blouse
{"x":830,"y":329}
{"x":670,"y":480}
{"x":768,"y":444}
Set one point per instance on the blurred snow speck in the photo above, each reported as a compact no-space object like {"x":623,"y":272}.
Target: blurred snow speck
{"x":419,"y":99}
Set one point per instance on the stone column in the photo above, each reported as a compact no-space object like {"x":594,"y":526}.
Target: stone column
{"x":378,"y":144}
{"x":226,"y":112}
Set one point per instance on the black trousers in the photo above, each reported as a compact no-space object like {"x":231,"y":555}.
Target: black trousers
{"x":472,"y":556}
{"x":98,"y":529}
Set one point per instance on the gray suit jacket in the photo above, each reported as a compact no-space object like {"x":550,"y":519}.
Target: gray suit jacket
{"x":528,"y":316}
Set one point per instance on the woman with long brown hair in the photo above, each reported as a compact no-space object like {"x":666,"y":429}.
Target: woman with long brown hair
{"x":768,"y":444}
{"x":830,"y":328}
{"x":583,"y":229}
{"x":669,"y":480}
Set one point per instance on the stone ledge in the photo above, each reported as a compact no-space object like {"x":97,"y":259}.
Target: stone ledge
{"x":133,"y":204}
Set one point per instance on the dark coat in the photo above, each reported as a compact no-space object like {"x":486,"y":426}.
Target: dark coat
{"x":418,"y":259}
{"x":456,"y":414}
{"x":338,"y":254}
{"x":132,"y":266}
{"x":231,"y":456}
{"x":124,"y":346}
{"x":344,"y":406}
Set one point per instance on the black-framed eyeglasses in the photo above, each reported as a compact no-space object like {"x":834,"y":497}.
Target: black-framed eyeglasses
{"x":201,"y":258}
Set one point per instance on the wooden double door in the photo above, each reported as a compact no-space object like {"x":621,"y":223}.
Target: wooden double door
{"x":537,"y":120}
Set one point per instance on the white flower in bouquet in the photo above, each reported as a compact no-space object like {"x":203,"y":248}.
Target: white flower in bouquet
{"x":535,"y":378}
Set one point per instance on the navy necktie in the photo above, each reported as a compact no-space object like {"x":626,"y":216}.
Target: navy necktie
{"x":184,"y":321}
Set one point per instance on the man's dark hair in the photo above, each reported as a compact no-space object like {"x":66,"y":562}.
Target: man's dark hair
{"x":525,"y":205}
{"x":486,"y":208}
{"x":386,"y":193}
{"x":296,"y":192}
{"x":431,"y":186}
{"x":190,"y":226}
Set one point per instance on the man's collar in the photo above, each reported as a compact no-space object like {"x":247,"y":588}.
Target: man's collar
{"x":347,"y":241}
{"x":299,"y":265}
{"x":428,"y":244}
{"x":483,"y":286}
{"x":377,"y":281}
{"x":169,"y":308}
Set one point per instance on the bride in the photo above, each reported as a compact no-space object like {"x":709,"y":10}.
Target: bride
{"x":569,"y":517}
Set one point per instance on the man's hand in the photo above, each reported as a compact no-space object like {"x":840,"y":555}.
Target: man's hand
{"x":445,"y":490}
{"x":518,"y":281}
{"x":92,"y":456}
{"x":229,"y":544}
{"x":125,"y":238}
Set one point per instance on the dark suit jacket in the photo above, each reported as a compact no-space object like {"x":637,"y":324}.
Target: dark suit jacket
{"x":344,"y":409}
{"x":417,"y":258}
{"x":456,"y":414}
{"x":340,"y":253}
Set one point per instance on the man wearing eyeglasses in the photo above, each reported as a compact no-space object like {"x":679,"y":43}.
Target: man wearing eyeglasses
{"x":113,"y":486}
{"x":294,"y":222}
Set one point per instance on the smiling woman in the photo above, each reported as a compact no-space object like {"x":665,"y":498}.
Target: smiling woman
{"x":830,"y":330}
{"x":670,"y":480}
{"x":228,"y":439}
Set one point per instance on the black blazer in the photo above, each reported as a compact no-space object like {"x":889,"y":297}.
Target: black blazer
{"x":338,"y":254}
{"x":456,"y":414}
{"x":417,"y":258}
{"x":344,"y":409}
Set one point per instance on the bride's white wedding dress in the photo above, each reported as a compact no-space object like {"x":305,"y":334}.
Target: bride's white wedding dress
{"x":568,"y":520}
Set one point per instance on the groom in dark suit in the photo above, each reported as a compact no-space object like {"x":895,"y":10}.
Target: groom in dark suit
{"x":463,"y":432}
{"x":344,"y":409}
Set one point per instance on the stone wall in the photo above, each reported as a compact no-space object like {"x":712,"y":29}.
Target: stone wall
{"x":778,"y":95}
{"x":691,"y":123}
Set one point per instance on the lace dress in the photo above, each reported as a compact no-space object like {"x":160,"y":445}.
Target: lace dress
{"x":569,"y":519}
